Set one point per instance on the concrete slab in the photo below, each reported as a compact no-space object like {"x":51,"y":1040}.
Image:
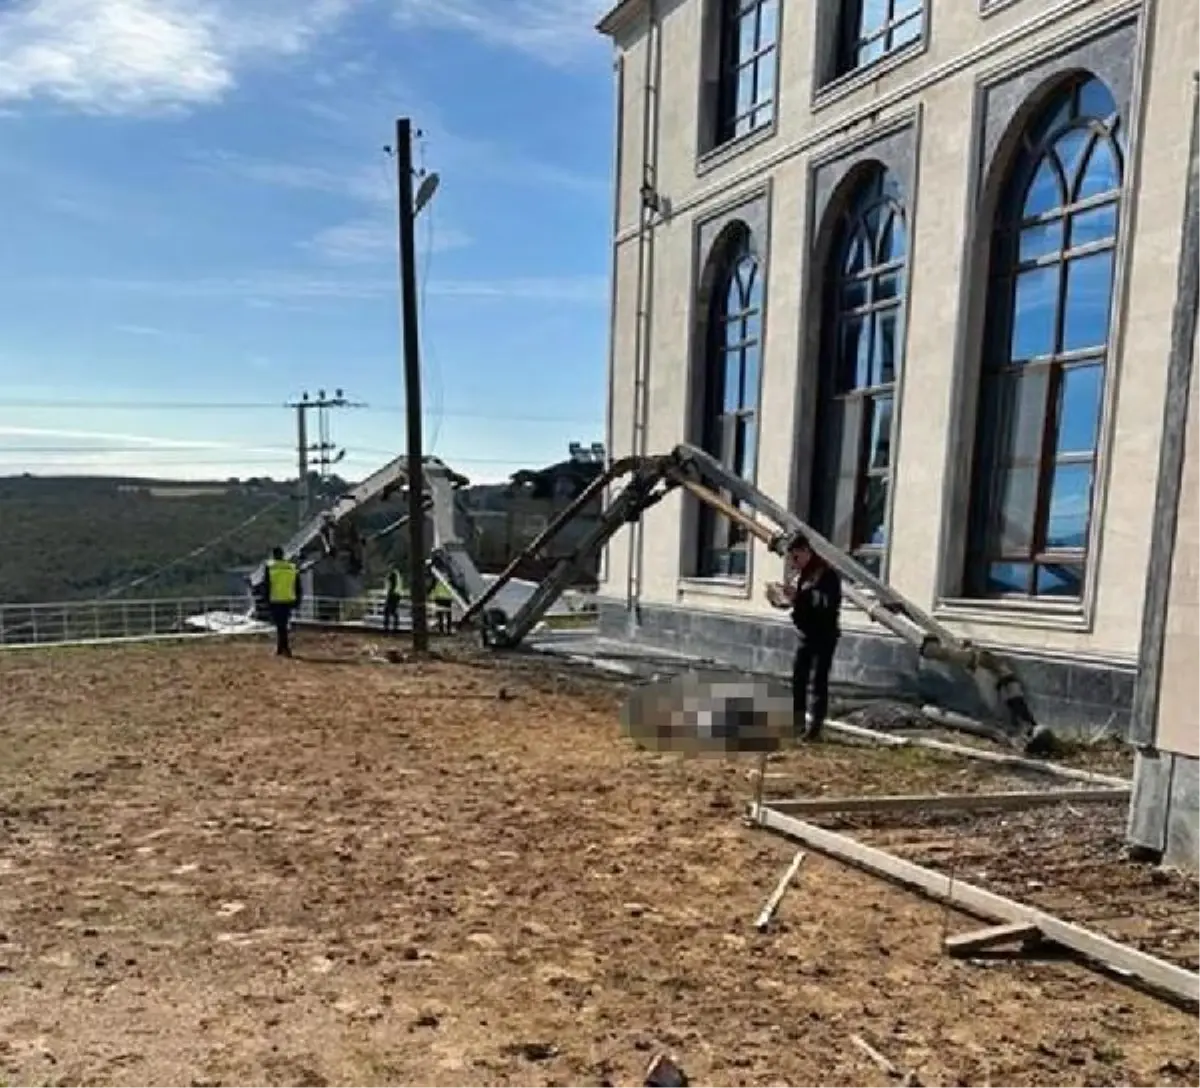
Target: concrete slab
{"x":1147,"y":829}
{"x":1183,"y":814}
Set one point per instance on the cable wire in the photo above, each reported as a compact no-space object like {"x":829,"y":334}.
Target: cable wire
{"x":195,"y":552}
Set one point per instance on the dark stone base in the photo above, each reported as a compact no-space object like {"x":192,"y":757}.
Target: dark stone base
{"x":1072,"y":698}
{"x":1164,"y":812}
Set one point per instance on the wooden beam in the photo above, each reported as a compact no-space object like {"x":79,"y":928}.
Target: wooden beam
{"x":1055,"y":770}
{"x":772,"y":904}
{"x":963,"y":944}
{"x":987,"y":905}
{"x":950,"y":802}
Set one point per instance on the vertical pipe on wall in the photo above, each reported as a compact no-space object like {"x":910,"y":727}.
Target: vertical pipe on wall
{"x":614,"y":274}
{"x":644,"y":285}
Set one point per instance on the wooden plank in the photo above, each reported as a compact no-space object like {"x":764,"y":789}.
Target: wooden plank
{"x":949,"y":802}
{"x":1055,"y":770}
{"x":987,"y":905}
{"x":963,"y":944}
{"x":772,"y":904}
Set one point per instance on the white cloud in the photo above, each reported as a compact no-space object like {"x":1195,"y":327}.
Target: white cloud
{"x":139,"y":330}
{"x":144,"y":56}
{"x":73,"y":436}
{"x":370,"y":239}
{"x":555,"y":31}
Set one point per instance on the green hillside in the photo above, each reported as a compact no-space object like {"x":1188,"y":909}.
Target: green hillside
{"x":73,"y":538}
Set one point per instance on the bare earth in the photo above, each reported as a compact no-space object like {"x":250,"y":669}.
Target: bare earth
{"x":221,"y":868}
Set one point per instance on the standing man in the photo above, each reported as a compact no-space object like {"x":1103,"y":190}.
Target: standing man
{"x":391,"y":602}
{"x":443,"y":602}
{"x":283,"y":595}
{"x":813,"y":591}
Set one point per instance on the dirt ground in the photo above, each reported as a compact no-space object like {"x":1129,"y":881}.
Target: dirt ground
{"x":217,"y":867}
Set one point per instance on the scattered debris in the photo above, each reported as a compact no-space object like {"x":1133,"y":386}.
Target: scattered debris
{"x":772,"y":904}
{"x":964,"y":944}
{"x":532,"y":1052}
{"x":905,"y":1076}
{"x":664,"y":1072}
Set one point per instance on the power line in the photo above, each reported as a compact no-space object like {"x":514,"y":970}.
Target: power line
{"x":196,"y":552}
{"x":232,"y":458}
{"x":258,"y":406}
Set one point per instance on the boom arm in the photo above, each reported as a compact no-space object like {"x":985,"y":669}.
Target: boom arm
{"x":710,"y":482}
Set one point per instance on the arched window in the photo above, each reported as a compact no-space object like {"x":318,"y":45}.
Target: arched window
{"x":746,"y":90}
{"x":729,"y":431}
{"x":862,"y":355}
{"x":871,"y":29}
{"x":1046,"y":349}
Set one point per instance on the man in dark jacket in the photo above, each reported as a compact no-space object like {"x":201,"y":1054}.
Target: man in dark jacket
{"x":813,"y":591}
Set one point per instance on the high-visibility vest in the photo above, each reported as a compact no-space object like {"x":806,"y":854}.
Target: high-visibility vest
{"x":282,"y":579}
{"x":439,"y":592}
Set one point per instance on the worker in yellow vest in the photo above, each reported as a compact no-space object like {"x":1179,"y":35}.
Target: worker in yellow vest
{"x":283,"y":595}
{"x":442,"y":600}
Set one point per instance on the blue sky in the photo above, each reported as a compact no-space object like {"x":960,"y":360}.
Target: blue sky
{"x":198,"y":208}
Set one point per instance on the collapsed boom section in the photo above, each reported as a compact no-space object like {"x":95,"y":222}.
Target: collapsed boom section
{"x":709,"y":482}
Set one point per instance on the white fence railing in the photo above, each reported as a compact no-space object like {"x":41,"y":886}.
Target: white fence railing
{"x":44,"y":624}
{"x":105,"y":620}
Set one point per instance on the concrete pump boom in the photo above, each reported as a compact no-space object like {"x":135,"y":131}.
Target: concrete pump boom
{"x":708,"y":481}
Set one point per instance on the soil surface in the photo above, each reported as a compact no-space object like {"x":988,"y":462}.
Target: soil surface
{"x":219,"y":868}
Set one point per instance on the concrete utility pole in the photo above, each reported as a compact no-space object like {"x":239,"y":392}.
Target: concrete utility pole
{"x":326,"y":452}
{"x":412,"y":387}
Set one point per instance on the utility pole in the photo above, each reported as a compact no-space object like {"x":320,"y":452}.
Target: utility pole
{"x":327,"y":453}
{"x":412,"y":386}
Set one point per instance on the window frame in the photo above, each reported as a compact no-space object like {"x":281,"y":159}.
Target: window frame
{"x":726,"y":62}
{"x":719,"y":425}
{"x":878,"y":192}
{"x":850,"y":38}
{"x":995,"y":423}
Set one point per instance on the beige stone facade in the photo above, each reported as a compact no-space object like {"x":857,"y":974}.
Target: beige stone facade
{"x":945,"y":113}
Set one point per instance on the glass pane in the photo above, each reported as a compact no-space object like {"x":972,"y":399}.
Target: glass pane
{"x":768,"y":22}
{"x":1060,"y":580}
{"x":735,"y":563}
{"x":901,"y":8}
{"x":1008,"y":578}
{"x":745,"y":90}
{"x":766,"y":81}
{"x":1089,"y":287}
{"x":1017,"y":509}
{"x":854,"y":365}
{"x":1097,"y":225}
{"x":1070,"y":504}
{"x":873,"y":16}
{"x":748,"y":399}
{"x":751,"y":327}
{"x":1095,"y":100}
{"x":735,"y":333}
{"x":1023,"y":412}
{"x":854,"y":294}
{"x":746,"y":37}
{"x":1070,"y":148}
{"x":873,"y":517}
{"x":856,"y":253}
{"x":746,"y":277}
{"x":906,"y":32}
{"x":893,"y":243}
{"x":1041,"y":240}
{"x":885,"y":351}
{"x":1045,"y":191}
{"x":870,"y":52}
{"x":1033,"y":314}
{"x":1102,"y":174}
{"x":1079,"y":409}
{"x":887,"y":286}
{"x":879,"y":449}
{"x":1058,"y":112}
{"x":731,"y":386}
{"x":744,"y":447}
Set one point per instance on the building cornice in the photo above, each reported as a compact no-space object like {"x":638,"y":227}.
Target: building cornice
{"x":621,"y":18}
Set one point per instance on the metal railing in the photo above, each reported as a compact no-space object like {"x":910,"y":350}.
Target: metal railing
{"x":108,"y":620}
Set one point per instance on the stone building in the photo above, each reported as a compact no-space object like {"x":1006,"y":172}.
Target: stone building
{"x":911,"y":266}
